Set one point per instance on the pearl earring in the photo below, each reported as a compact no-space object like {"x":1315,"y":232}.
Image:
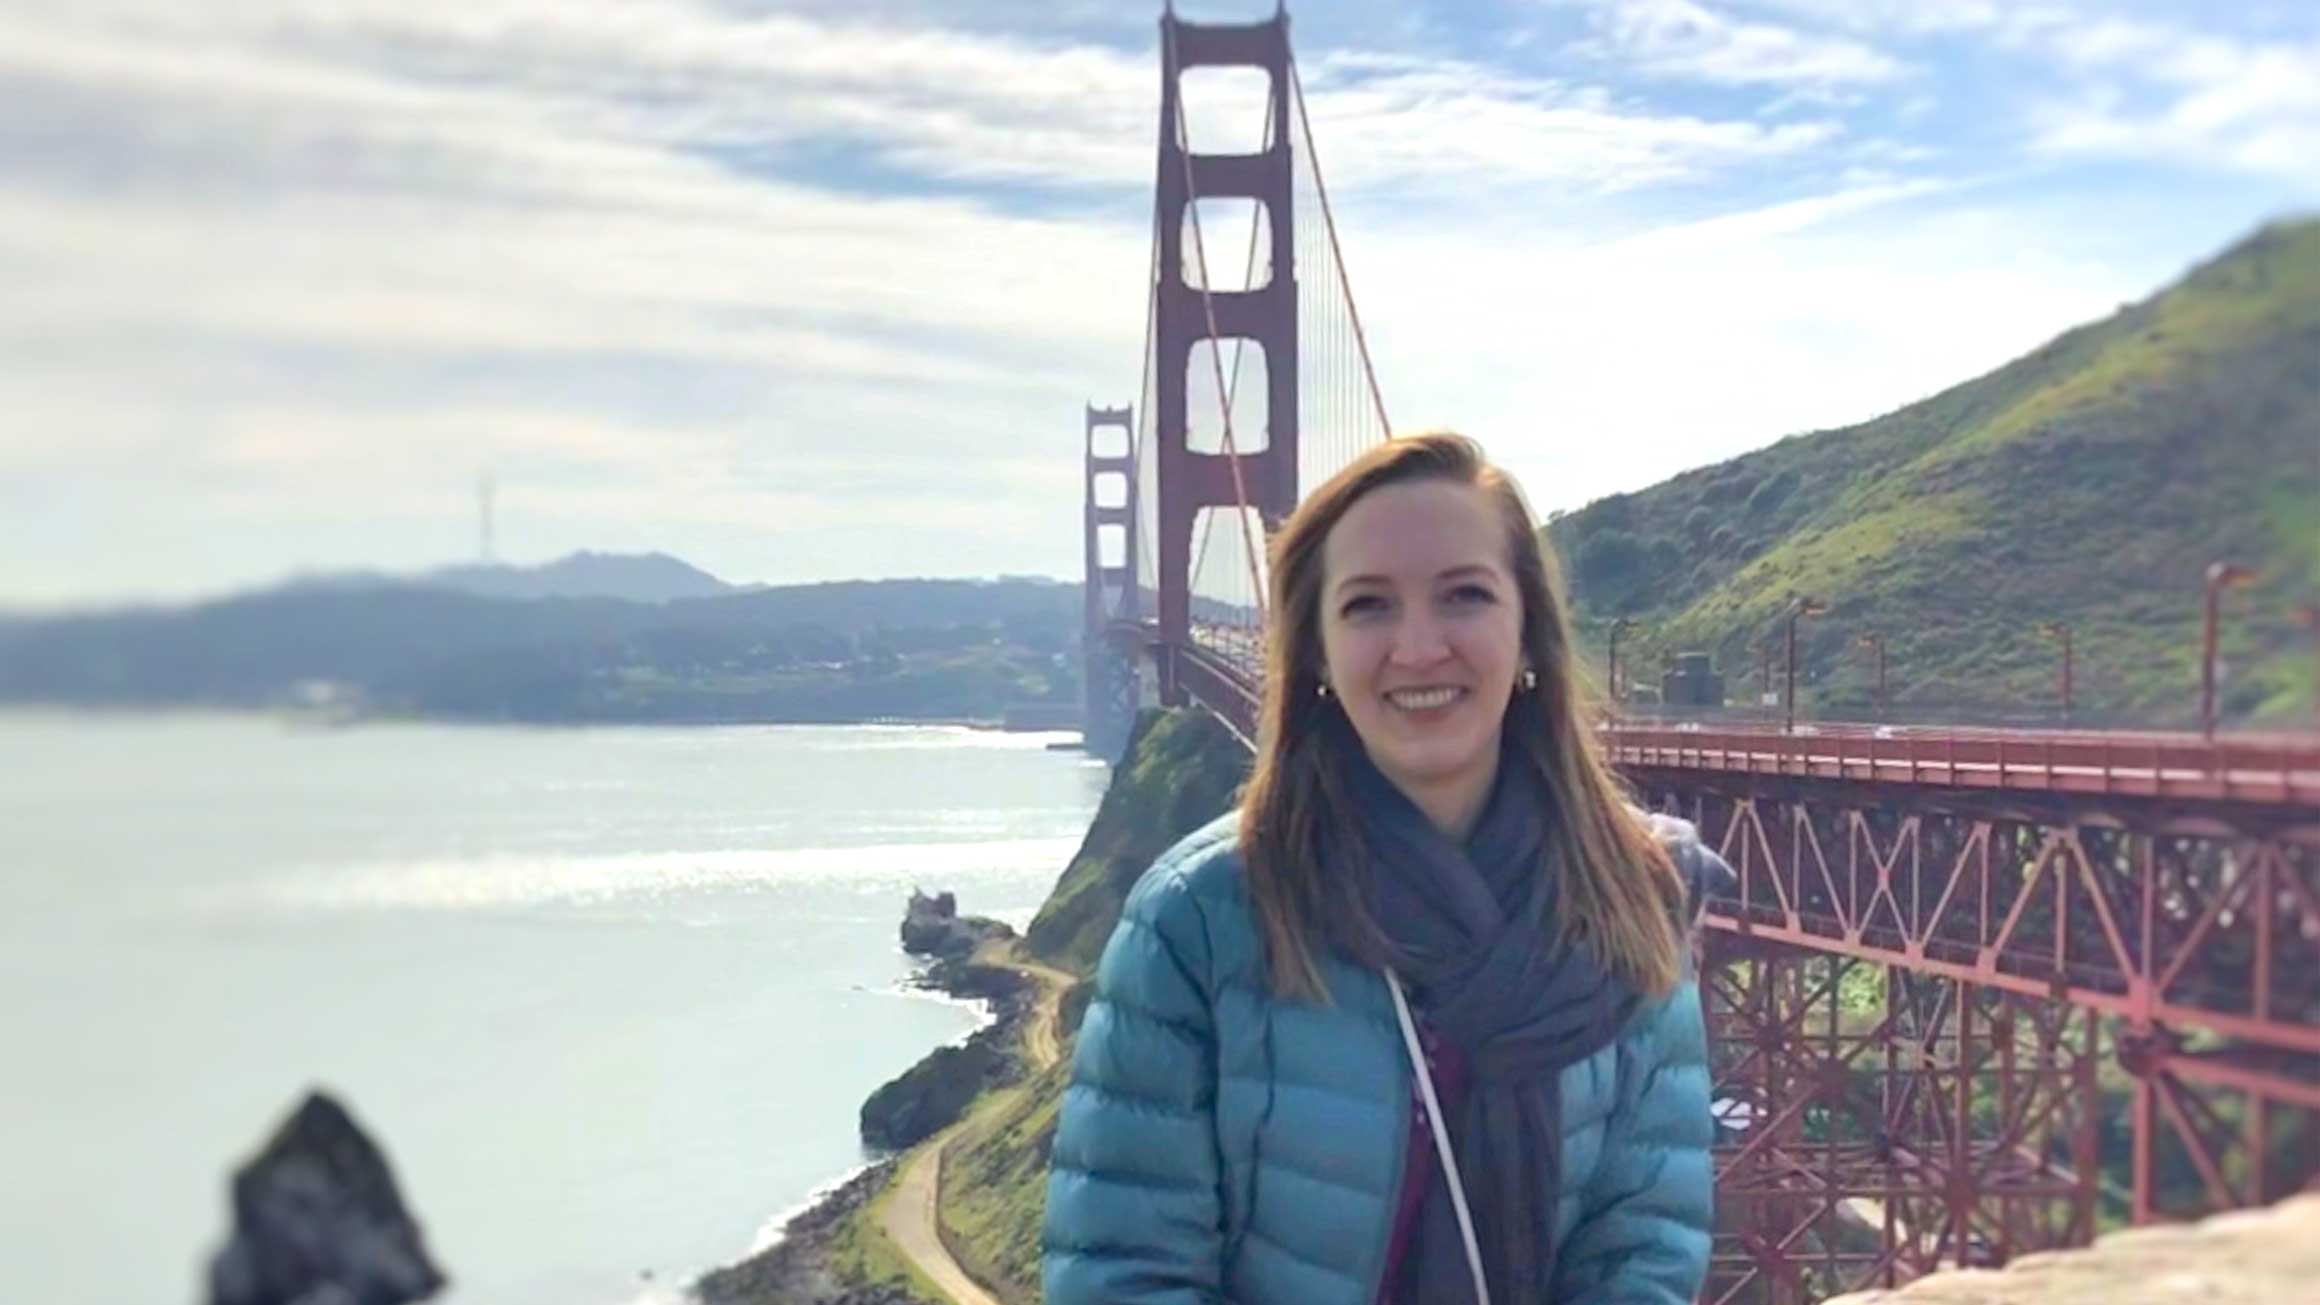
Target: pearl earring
{"x":1530,"y":679}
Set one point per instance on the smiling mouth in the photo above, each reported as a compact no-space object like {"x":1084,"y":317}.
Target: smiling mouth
{"x":1425,"y":699}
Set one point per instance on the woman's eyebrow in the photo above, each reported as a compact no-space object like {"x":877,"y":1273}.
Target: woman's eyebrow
{"x":1460,"y":571}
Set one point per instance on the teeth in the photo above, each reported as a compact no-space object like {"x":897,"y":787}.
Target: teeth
{"x":1421,"y":699}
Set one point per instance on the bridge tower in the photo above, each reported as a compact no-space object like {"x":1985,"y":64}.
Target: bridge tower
{"x":1110,"y":682}
{"x":1185,"y":313}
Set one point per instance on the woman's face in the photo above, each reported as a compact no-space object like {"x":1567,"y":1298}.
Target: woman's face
{"x":1421,"y":631}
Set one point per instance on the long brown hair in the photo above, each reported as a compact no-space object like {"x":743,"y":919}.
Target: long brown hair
{"x":1619,"y":892}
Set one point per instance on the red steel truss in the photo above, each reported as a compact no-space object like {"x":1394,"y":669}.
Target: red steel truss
{"x":1937,"y":1013}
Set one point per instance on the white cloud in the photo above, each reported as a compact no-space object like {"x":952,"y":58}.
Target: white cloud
{"x":673,"y":75}
{"x":672,"y":72}
{"x":1906,"y":17}
{"x":799,"y":295}
{"x":1683,"y":38}
{"x":1401,"y":120}
{"x":1611,"y":365}
{"x":2150,"y":89}
{"x":288,"y":260}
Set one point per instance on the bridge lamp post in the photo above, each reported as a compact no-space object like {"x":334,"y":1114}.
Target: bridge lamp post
{"x":1618,"y":627}
{"x":2061,"y":630}
{"x":1800,"y":608}
{"x":1875,"y":642}
{"x":2220,"y":576}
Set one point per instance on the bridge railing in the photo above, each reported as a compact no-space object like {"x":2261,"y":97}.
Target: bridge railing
{"x":2283,"y":769}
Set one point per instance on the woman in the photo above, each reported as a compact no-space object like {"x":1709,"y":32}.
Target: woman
{"x":1430,"y":817}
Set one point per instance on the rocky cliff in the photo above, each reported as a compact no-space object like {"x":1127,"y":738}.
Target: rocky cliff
{"x":1181,"y":769}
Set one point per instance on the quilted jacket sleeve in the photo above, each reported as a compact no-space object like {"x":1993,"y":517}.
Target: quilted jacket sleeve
{"x":1643,"y":1231}
{"x":1133,"y":1213}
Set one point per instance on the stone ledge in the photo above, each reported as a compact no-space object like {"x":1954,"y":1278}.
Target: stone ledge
{"x":2247,"y":1257}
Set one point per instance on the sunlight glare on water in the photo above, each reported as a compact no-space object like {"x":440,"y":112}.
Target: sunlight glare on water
{"x":609,"y":998}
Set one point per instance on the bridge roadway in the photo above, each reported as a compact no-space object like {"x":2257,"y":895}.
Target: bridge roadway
{"x":1793,"y":891}
{"x":2273,"y":769}
{"x":1220,"y":669}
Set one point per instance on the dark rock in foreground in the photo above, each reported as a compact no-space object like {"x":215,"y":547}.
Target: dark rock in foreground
{"x":932,"y":926}
{"x":317,"y":1221}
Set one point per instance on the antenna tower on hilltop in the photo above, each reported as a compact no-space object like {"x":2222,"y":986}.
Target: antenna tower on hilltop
{"x":483,"y":503}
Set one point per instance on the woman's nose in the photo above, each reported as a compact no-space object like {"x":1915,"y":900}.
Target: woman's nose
{"x":1418,"y":641}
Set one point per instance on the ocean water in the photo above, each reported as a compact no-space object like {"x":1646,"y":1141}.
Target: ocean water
{"x":609,"y":998}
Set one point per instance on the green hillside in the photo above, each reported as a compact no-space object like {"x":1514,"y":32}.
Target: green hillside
{"x":2090,"y":482}
{"x":1181,"y":771}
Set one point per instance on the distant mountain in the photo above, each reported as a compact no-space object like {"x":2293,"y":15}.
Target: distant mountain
{"x":633,"y":577}
{"x":2090,"y":482}
{"x":843,"y":651}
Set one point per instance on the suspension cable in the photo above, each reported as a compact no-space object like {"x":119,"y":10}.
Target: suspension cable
{"x":1138,"y":446}
{"x":1336,"y":252}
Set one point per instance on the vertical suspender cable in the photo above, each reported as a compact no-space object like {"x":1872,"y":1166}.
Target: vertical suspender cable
{"x":1138,"y":444}
{"x":1336,"y":252}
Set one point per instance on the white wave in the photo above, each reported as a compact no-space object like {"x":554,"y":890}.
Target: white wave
{"x":769,"y":1233}
{"x":876,"y":738}
{"x":511,"y":880}
{"x":978,"y":1007}
{"x":1017,"y":918}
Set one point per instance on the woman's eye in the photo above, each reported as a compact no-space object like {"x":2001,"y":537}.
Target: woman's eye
{"x":1365,"y":603}
{"x":1473,"y":594}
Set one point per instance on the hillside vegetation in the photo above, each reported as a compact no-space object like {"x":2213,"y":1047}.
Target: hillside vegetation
{"x":1180,"y":771}
{"x":2090,"y":482}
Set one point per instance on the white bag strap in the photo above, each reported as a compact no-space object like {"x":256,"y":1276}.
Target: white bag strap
{"x":1425,"y":1078}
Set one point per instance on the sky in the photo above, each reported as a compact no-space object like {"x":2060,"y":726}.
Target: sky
{"x":816,"y":290}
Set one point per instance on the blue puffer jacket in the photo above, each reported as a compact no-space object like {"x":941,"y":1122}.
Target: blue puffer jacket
{"x":1218,"y":1143}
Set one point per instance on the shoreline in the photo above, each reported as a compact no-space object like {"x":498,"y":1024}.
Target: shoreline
{"x":772,"y":1229}
{"x":790,"y":1260}
{"x":324,"y":718}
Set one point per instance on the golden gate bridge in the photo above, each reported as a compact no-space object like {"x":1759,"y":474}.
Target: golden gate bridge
{"x":1976,"y":992}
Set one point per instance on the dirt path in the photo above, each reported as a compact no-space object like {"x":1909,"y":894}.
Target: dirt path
{"x":910,"y":1224}
{"x":910,"y":1217}
{"x":1042,"y":1039}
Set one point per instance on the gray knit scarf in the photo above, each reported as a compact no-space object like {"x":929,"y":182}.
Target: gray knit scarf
{"x":1470,"y":927}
